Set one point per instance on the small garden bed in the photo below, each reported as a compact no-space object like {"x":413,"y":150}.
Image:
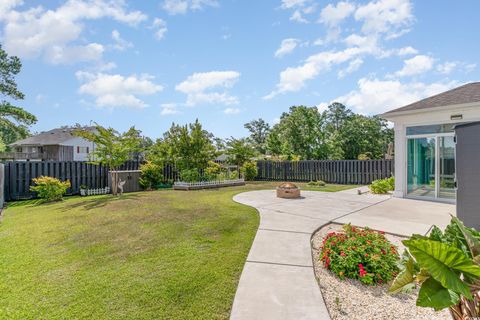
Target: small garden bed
{"x":180,"y":185}
{"x":351,"y":299}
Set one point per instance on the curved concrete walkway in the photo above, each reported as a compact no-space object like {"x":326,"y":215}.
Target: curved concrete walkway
{"x":278,"y":280}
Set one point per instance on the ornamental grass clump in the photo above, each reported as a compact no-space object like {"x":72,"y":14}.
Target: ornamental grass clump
{"x":361,"y":254}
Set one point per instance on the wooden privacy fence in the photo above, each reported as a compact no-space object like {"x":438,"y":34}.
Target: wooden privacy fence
{"x":18,"y":175}
{"x":331,"y":171}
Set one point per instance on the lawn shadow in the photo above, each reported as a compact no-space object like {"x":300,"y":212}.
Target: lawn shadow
{"x":99,"y":202}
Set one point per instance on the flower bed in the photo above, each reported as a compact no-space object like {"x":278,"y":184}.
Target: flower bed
{"x":362,"y":254}
{"x":350,"y":299}
{"x":180,"y":185}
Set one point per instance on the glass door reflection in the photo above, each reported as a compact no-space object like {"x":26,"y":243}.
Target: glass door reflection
{"x":421,"y":167}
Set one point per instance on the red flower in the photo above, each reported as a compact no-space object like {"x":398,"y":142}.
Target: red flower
{"x":362,"y":273}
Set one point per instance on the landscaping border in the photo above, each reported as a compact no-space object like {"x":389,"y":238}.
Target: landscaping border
{"x":180,"y":185}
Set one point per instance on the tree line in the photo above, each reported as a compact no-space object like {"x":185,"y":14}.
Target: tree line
{"x":334,"y":134}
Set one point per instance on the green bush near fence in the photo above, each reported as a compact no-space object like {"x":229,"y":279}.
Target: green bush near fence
{"x":151,"y":176}
{"x":50,"y":189}
{"x":382,"y":186}
{"x":249,"y":170}
{"x":317,"y":184}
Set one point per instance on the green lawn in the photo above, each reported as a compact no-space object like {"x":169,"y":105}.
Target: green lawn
{"x":148,"y":255}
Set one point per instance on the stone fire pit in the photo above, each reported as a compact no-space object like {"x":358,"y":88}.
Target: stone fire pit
{"x":288,"y":190}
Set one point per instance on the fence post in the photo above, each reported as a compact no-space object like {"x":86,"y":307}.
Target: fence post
{"x":2,"y":184}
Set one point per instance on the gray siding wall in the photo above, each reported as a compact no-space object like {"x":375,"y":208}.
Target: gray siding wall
{"x":468,"y":174}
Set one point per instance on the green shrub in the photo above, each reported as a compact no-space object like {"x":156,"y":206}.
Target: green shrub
{"x":49,"y":188}
{"x":446,"y":265}
{"x":212,"y":171}
{"x":318,"y":183}
{"x":249,"y":170}
{"x":151,"y":176}
{"x":361,"y":254}
{"x":190,"y":175}
{"x":382,"y":186}
{"x":232,"y":175}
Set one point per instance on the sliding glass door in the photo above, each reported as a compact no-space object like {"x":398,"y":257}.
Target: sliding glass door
{"x":446,"y":148}
{"x":421,"y":167}
{"x":431,"y":167}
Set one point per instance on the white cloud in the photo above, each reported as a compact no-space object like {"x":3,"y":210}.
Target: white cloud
{"x":298,"y":17}
{"x":293,"y":78}
{"x":289,"y":4}
{"x":160,"y":27}
{"x":447,"y":67}
{"x":451,"y":66}
{"x":353,"y":66}
{"x":105,"y":66}
{"x":120,"y":43}
{"x":231,"y":111}
{"x":407,"y":51}
{"x":204,"y":87}
{"x":74,"y":54}
{"x":37,"y":32}
{"x":287,"y":46}
{"x":169,"y":109}
{"x":375,"y":96}
{"x":416,"y":65}
{"x":114,"y":90}
{"x":385,"y":16}
{"x":174,"y":7}
{"x":300,"y":7}
{"x":332,"y":15}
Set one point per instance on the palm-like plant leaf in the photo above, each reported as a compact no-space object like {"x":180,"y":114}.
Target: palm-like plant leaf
{"x":444,"y":263}
{"x":432,"y":294}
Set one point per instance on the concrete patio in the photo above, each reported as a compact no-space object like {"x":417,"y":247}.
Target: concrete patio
{"x":278,"y":281}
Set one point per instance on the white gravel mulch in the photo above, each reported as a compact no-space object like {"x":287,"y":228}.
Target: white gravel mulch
{"x":350,"y":299}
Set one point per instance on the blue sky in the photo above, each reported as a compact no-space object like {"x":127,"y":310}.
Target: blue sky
{"x":151,"y":63}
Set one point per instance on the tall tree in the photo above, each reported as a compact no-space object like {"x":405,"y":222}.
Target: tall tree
{"x":336,"y":116}
{"x":14,"y":121}
{"x":299,"y":133}
{"x":259,"y":130}
{"x":111,"y":147}
{"x":187,"y":147}
{"x":239,"y":151}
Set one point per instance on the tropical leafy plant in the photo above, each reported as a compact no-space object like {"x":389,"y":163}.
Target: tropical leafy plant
{"x":446,"y":266}
{"x":49,"y":188}
{"x":362,"y":254}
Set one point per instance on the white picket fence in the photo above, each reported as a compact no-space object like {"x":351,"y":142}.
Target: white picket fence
{"x":180,"y":185}
{"x":92,"y":192}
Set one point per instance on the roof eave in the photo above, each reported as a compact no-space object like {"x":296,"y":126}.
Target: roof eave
{"x":391,"y":115}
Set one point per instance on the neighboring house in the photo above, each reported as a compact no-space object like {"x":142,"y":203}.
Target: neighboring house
{"x":54,"y":145}
{"x":425,"y":142}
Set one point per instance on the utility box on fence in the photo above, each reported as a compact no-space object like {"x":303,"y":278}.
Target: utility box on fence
{"x":130,"y":177}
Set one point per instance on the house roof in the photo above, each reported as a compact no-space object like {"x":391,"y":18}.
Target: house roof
{"x":52,"y":137}
{"x":468,"y":93}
